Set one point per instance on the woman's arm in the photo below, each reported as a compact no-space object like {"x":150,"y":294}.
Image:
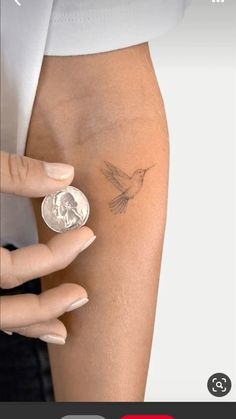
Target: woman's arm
{"x":103,"y":113}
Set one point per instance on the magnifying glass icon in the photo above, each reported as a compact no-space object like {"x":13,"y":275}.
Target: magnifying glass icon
{"x":219,"y":384}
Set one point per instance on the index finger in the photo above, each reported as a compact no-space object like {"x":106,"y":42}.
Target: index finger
{"x":25,"y":176}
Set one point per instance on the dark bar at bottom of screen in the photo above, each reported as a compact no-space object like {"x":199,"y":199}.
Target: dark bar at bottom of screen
{"x":179,"y":410}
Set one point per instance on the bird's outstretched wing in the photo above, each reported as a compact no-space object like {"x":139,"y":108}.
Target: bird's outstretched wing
{"x":116,"y":176}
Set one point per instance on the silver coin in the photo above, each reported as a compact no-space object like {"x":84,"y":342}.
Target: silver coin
{"x":65,"y":209}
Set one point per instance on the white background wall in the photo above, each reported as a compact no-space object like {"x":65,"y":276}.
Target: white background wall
{"x":195,"y":322}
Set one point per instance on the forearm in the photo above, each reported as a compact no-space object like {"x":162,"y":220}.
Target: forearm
{"x":91,"y":109}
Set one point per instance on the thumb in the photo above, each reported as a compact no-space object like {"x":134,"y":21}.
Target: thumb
{"x":22,"y":175}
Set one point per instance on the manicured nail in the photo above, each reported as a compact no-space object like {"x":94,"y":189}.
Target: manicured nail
{"x":87,"y":243}
{"x":58,"y":340}
{"x":8,"y":333}
{"x":77,"y":304}
{"x":58,"y":171}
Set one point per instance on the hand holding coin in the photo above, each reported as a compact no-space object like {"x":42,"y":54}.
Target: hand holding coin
{"x":64,"y":209}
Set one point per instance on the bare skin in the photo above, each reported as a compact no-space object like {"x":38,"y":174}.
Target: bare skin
{"x":90,"y":110}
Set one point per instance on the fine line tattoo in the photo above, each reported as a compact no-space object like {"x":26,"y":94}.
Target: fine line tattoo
{"x":129,"y":186}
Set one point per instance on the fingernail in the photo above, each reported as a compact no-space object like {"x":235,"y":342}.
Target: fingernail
{"x":8,"y":333}
{"x":87,"y":243}
{"x":58,"y":340}
{"x":58,"y":171}
{"x":77,"y":304}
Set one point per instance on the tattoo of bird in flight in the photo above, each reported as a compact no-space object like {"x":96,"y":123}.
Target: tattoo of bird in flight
{"x":129,"y":186}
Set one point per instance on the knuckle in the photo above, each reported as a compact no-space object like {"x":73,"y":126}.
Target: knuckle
{"x":36,"y":308}
{"x":45,"y":310}
{"x":57,"y":262}
{"x":18,"y":168}
{"x":7,"y":277}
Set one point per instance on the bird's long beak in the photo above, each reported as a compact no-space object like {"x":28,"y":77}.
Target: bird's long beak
{"x":149,"y":168}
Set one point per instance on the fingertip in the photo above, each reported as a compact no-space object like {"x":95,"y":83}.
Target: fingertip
{"x":58,"y":171}
{"x":85,"y":237}
{"x":53,"y":338}
{"x":69,"y":244}
{"x":76,"y":304}
{"x":87,"y":243}
{"x":53,"y":327}
{"x":84,"y":230}
{"x":73,"y":291}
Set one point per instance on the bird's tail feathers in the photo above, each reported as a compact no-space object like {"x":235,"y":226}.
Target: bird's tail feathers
{"x":118,"y":204}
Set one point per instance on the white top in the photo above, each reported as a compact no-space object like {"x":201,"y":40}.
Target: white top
{"x":60,"y":27}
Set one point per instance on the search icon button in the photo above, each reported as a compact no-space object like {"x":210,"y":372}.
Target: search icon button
{"x":219,"y":385}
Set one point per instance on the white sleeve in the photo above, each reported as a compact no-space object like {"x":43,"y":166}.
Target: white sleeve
{"x":91,"y":26}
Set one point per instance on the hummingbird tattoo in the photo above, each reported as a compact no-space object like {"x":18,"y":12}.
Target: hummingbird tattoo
{"x":129,"y":186}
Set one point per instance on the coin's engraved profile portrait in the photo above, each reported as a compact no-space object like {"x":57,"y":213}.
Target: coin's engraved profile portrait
{"x":65,"y":208}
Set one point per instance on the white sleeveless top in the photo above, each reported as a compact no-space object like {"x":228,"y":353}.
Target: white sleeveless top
{"x":32,"y":29}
